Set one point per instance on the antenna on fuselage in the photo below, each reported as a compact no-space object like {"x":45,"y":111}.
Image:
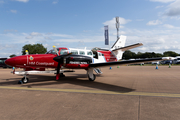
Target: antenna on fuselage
{"x":27,"y":53}
{"x":55,"y":50}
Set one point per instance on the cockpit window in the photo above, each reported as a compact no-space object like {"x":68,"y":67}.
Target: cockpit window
{"x":52,"y":51}
{"x":63,"y":51}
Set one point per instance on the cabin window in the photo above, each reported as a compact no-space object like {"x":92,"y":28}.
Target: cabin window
{"x":100,"y":54}
{"x":74,"y":52}
{"x":81,"y":52}
{"x":89,"y":53}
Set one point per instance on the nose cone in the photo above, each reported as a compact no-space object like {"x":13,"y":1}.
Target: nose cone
{"x":10,"y":62}
{"x":58,"y":58}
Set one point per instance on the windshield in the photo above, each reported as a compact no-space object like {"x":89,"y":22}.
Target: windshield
{"x":63,"y":51}
{"x":52,"y":51}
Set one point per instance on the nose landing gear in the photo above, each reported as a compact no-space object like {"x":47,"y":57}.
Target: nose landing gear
{"x":24,"y":80}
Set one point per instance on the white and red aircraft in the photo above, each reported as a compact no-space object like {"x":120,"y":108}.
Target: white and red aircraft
{"x":67,"y":59}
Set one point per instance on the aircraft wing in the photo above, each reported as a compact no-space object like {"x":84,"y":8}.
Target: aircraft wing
{"x":125,"y":62}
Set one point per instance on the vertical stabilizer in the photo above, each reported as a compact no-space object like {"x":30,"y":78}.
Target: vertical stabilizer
{"x":119,"y":44}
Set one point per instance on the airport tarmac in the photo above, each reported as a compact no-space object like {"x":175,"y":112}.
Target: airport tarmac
{"x":124,"y":93}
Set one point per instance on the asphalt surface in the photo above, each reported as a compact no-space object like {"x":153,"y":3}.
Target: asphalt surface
{"x":124,"y":93}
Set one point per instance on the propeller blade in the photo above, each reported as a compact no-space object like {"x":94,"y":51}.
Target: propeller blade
{"x":59,"y":59}
{"x":58,"y":68}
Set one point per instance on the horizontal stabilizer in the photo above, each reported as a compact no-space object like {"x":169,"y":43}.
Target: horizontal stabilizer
{"x":128,"y":47}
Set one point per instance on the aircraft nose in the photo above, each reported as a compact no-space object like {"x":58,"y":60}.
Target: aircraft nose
{"x":9,"y":61}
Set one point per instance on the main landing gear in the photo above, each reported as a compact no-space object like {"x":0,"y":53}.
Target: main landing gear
{"x":90,"y":74}
{"x":93,"y":77}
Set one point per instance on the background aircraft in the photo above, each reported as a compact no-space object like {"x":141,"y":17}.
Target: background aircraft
{"x":67,"y":59}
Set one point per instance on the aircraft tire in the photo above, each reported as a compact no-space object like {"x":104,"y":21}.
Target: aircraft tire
{"x":25,"y":80}
{"x":90,"y":79}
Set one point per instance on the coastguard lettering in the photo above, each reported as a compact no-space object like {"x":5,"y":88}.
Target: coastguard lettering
{"x":44,"y":63}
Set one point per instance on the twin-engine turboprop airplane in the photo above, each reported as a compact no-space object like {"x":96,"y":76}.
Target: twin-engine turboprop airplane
{"x":67,"y":59}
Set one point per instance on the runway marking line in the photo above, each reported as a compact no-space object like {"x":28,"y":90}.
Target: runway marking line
{"x":95,"y":91}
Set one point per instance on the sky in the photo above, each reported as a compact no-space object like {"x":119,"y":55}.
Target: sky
{"x":80,"y":24}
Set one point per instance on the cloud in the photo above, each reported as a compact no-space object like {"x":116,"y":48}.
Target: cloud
{"x":22,"y":1}
{"x":13,"y":11}
{"x":32,"y":35}
{"x":59,"y":35}
{"x":29,"y":37}
{"x":154,"y":22}
{"x":112,"y":23}
{"x":55,"y":2}
{"x":168,"y":26}
{"x":157,"y":40}
{"x":47,"y":38}
{"x":173,"y":9}
{"x":35,"y":34}
{"x":162,"y":1}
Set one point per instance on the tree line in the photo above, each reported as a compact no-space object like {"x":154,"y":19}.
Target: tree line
{"x":32,"y":49}
{"x":129,"y":55}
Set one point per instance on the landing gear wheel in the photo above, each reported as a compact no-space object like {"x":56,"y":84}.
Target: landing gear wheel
{"x":92,"y":79}
{"x":25,"y":80}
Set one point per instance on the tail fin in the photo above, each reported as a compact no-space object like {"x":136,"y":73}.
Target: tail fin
{"x":118,"y":44}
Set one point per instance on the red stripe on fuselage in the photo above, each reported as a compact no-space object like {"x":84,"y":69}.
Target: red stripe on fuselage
{"x":109,"y":56}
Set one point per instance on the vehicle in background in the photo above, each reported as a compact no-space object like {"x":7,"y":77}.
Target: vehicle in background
{"x":177,"y":60}
{"x":2,"y":63}
{"x":156,"y":62}
{"x":167,"y":62}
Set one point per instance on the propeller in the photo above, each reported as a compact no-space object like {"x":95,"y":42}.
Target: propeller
{"x":60,"y":60}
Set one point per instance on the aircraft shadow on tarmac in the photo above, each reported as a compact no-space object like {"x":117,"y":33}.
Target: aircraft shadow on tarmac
{"x":75,"y":79}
